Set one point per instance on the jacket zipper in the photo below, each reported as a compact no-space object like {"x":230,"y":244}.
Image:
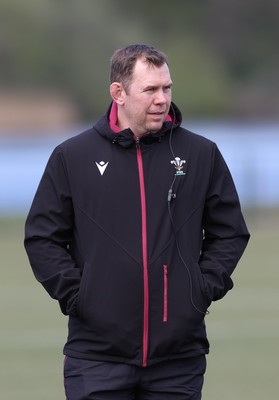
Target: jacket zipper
{"x":144,"y":256}
{"x":165,"y":312}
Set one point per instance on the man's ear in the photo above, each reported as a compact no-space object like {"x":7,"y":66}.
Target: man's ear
{"x":117,"y":92}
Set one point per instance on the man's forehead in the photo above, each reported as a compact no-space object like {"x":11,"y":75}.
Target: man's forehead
{"x":148,"y":73}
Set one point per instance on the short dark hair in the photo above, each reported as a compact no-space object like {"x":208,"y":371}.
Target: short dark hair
{"x":123,"y":61}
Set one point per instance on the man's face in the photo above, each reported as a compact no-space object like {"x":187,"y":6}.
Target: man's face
{"x":147,"y":101}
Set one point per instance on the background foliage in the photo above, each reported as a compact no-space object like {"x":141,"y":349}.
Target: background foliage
{"x":223,"y":54}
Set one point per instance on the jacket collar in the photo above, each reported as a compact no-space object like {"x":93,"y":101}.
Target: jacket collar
{"x":107,"y":128}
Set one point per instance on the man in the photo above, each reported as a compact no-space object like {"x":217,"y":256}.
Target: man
{"x":135,"y":229}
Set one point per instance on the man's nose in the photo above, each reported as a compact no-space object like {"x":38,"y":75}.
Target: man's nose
{"x":160,"y":97}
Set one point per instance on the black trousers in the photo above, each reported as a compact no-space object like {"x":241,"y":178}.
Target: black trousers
{"x":170,"y":380}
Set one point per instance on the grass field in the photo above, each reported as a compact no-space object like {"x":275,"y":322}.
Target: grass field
{"x":243,"y":328}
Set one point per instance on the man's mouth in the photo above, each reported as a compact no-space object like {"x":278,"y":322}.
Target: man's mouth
{"x":157,"y":113}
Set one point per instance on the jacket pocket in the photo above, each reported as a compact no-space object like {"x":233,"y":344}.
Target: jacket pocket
{"x":165,"y":293}
{"x":81,"y":301}
{"x":202,"y":285}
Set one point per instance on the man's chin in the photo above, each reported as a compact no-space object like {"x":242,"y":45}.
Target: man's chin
{"x":155,"y":127}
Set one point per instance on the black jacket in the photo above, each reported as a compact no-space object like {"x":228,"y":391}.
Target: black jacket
{"x":132,"y":247}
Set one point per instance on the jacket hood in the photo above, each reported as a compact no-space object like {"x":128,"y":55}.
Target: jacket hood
{"x":125,"y":138}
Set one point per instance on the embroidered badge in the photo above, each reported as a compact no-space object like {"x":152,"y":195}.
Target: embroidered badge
{"x":178,"y":164}
{"x":102,"y":165}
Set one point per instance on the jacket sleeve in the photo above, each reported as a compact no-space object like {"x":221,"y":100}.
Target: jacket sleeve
{"x":225,"y":231}
{"x":48,"y":235}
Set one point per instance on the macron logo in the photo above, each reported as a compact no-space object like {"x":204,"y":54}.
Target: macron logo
{"x":101,"y":166}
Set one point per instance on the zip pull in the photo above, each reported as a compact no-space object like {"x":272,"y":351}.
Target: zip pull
{"x":137,"y":142}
